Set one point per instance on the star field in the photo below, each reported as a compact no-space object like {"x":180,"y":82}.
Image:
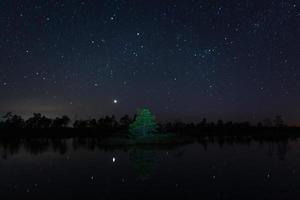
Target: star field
{"x":235,"y":60}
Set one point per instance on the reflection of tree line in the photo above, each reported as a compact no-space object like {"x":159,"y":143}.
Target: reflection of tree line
{"x":12,"y":146}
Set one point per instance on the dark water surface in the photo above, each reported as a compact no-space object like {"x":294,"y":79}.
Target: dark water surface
{"x":82,"y":169}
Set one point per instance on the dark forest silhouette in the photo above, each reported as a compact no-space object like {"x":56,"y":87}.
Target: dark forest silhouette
{"x":10,"y":120}
{"x":39,"y":125}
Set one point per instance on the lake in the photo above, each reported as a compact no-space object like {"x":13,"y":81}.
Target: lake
{"x":202,"y":169}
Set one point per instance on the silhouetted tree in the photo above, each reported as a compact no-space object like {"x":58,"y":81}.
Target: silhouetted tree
{"x":61,"y":122}
{"x":220,"y":123}
{"x":278,"y":121}
{"x":267,"y":123}
{"x":259,"y":125}
{"x":92,"y":123}
{"x":12,"y":121}
{"x":179,"y":125}
{"x":7,"y":116}
{"x":108,"y":123}
{"x":80,"y":124}
{"x":244,"y":125}
{"x":229,"y":124}
{"x":212,"y":124}
{"x":38,"y":121}
{"x":204,"y":122}
{"x":125,"y":121}
{"x":65,"y":121}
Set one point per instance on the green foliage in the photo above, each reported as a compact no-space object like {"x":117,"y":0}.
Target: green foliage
{"x":144,"y":124}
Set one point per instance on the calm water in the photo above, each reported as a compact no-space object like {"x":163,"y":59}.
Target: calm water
{"x":77,"y":169}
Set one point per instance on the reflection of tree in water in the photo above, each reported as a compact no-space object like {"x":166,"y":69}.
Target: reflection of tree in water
{"x":9,"y":147}
{"x":13,"y":146}
{"x":144,"y":162}
{"x":59,"y":145}
{"x":142,"y":159}
{"x":281,"y":148}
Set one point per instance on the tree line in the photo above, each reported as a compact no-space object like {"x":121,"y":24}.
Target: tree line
{"x":110,"y":123}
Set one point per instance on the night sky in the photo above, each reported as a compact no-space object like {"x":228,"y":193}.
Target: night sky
{"x":186,"y":59}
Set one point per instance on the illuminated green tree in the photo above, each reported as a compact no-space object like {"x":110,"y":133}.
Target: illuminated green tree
{"x":144,"y":124}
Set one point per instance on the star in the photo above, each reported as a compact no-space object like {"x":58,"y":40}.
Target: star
{"x":127,"y":53}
